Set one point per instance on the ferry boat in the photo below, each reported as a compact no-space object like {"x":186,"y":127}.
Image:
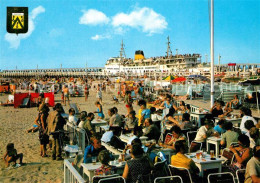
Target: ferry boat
{"x":141,"y":65}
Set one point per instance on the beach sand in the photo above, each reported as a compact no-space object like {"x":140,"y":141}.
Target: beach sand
{"x":15,"y":122}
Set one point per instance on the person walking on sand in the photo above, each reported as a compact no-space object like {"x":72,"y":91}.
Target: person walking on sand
{"x":66,"y":94}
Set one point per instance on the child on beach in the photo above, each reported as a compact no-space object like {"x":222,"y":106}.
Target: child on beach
{"x":11,"y":155}
{"x":34,"y":128}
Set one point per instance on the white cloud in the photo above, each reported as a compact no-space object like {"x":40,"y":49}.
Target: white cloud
{"x":93,"y":17}
{"x":100,"y":37}
{"x":14,"y":39}
{"x":145,"y":19}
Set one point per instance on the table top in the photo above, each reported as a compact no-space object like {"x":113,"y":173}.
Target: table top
{"x":198,"y":113}
{"x":93,"y":167}
{"x":111,"y":148}
{"x":105,"y":127}
{"x":205,"y":160}
{"x":98,"y":121}
{"x":214,"y":138}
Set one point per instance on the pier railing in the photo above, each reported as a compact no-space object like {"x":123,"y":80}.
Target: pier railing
{"x":71,"y":174}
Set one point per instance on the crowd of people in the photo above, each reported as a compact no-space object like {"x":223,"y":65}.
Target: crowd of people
{"x":149,"y":121}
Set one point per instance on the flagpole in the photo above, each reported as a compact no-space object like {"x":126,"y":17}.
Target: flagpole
{"x":212,"y":53}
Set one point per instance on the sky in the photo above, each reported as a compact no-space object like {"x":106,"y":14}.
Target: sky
{"x":79,"y":32}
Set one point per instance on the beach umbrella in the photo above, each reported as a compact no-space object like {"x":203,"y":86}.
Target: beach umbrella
{"x":168,"y":78}
{"x":180,"y":79}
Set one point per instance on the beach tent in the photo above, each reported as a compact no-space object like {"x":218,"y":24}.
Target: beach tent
{"x":18,"y":98}
{"x":168,"y":78}
{"x":180,"y":79}
{"x":49,"y":99}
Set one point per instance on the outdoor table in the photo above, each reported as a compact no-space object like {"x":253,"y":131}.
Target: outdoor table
{"x":89,"y":168}
{"x":197,"y":117}
{"x":213,"y":140}
{"x":111,"y":148}
{"x":125,"y":137}
{"x":105,"y":127}
{"x":98,"y":123}
{"x":234,"y":121}
{"x":206,"y":163}
{"x":167,"y":152}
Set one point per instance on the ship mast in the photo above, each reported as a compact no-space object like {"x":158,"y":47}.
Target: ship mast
{"x":122,"y":50}
{"x":169,"y":51}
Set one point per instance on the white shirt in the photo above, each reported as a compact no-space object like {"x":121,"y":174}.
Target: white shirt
{"x":156,"y":117}
{"x":244,"y":119}
{"x":202,"y":132}
{"x":73,"y":120}
{"x":81,"y":124}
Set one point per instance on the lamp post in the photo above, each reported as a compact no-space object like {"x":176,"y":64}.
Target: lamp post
{"x":212,"y":53}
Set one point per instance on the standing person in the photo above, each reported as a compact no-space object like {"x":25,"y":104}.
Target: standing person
{"x":99,"y":110}
{"x":42,"y":123}
{"x":55,"y":123}
{"x":66,"y":94}
{"x":146,"y":113}
{"x":86,"y":91}
{"x":128,"y":102}
{"x":99,"y":95}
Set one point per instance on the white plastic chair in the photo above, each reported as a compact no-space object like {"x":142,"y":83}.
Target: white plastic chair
{"x":219,"y":178}
{"x":171,"y":178}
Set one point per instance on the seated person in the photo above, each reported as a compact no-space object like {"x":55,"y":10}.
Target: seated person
{"x":186,"y":123}
{"x":205,"y":131}
{"x":11,"y":155}
{"x":93,"y":149}
{"x":72,"y":118}
{"x":131,"y":121}
{"x":253,"y":167}
{"x":154,"y":115}
{"x":219,"y":127}
{"x":242,"y":153}
{"x":136,"y":167}
{"x":182,"y":108}
{"x":246,"y":114}
{"x":234,"y":103}
{"x":152,"y":131}
{"x":105,"y":169}
{"x":170,"y":115}
{"x":216,"y":110}
{"x":180,"y":160}
{"x":88,"y":127}
{"x":254,"y":137}
{"x":115,"y":120}
{"x":176,"y":136}
{"x":82,"y":118}
{"x":229,"y":136}
{"x":248,"y":125}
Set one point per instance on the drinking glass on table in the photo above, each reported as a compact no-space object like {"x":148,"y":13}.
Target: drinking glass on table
{"x":94,"y":159}
{"x":212,"y":154}
{"x":198,"y":155}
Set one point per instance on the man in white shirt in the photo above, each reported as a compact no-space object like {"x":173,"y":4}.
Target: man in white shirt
{"x":205,"y":131}
{"x":247,"y":116}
